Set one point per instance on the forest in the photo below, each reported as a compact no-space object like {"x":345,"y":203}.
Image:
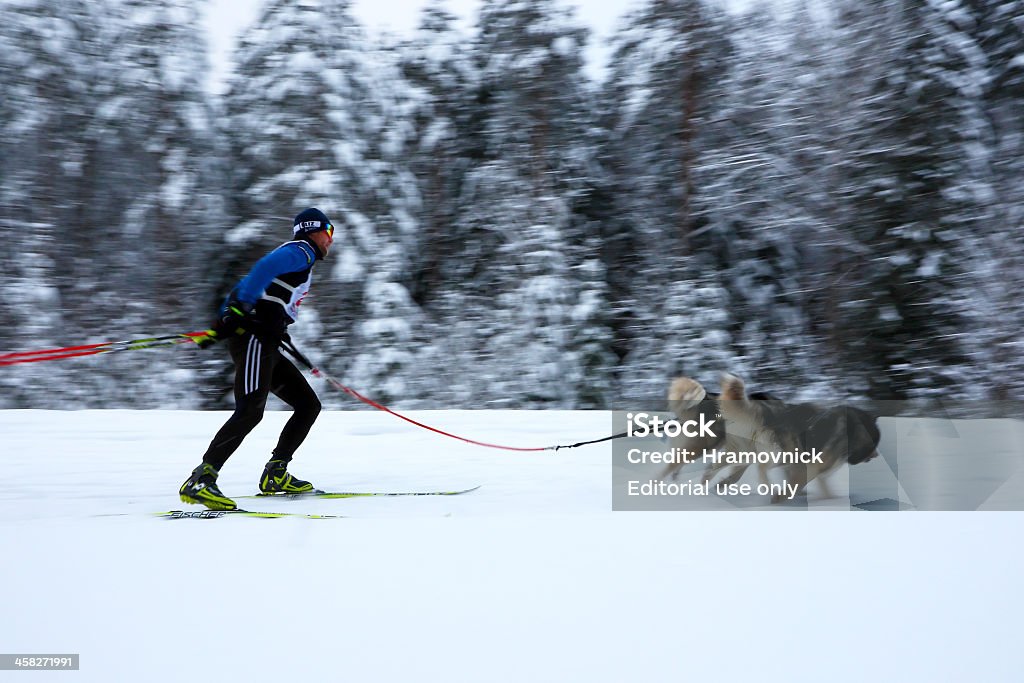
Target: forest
{"x":827,"y":201}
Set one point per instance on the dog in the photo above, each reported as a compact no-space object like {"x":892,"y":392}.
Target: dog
{"x":688,"y":400}
{"x":762,"y":422}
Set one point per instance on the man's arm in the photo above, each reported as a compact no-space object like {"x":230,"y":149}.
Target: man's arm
{"x":285,"y":259}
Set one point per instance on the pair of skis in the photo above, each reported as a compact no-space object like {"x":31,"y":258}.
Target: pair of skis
{"x":216,"y":514}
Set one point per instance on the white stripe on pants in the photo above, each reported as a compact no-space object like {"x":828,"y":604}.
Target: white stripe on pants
{"x":252,"y":365}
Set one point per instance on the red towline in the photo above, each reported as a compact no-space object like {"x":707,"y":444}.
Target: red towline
{"x":94,"y":349}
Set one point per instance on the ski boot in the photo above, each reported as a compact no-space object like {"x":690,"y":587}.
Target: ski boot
{"x":276,"y":479}
{"x":201,"y":489}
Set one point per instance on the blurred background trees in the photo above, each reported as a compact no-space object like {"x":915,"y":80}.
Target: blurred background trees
{"x":825,"y":200}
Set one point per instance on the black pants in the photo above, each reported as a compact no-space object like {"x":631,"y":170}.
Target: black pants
{"x":260,"y":369}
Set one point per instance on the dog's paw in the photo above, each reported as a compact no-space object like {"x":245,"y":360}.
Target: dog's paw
{"x":798,"y":500}
{"x":733,"y":388}
{"x":685,"y":392}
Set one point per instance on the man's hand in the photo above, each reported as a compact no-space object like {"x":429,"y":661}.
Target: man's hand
{"x":233,"y":320}
{"x":207,"y":339}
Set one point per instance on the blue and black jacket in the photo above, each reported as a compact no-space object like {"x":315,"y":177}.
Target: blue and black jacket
{"x":276,"y":285}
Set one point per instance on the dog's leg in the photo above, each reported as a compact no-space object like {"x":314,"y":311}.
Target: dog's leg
{"x":711,"y":470}
{"x":796,"y":475}
{"x":735,"y":475}
{"x":673,"y":470}
{"x":821,"y":473}
{"x":686,"y":457}
{"x":826,"y":492}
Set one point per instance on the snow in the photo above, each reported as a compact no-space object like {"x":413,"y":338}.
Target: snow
{"x":530,"y":578}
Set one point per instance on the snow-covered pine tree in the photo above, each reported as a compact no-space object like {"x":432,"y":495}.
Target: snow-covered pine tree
{"x":113,"y":153}
{"x":663,"y":91}
{"x":45,"y":79}
{"x":997,"y":258}
{"x":155,"y":194}
{"x":519,"y":270}
{"x":687,"y":334}
{"x":318,"y":115}
{"x":440,"y":72}
{"x":907,"y":173}
{"x":757,"y":199}
{"x":385,"y":362}
{"x":591,"y":340}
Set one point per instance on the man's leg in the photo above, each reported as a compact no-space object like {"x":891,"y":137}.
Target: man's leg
{"x":290,"y":386}
{"x":254,"y":367}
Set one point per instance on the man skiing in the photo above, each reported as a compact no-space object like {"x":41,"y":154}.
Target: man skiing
{"x":254,"y":320}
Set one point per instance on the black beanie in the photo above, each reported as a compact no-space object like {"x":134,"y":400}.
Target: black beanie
{"x":309,"y":221}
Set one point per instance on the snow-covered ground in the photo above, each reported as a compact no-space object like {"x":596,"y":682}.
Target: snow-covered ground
{"x":530,"y":578}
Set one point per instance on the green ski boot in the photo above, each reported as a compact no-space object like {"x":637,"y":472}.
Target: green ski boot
{"x":201,"y":489}
{"x":276,"y":479}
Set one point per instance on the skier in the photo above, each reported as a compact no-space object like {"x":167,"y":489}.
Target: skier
{"x":254,"y":319}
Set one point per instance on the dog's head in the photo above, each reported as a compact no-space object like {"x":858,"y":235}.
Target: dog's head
{"x":685,"y":394}
{"x":688,"y":400}
{"x":753,"y":420}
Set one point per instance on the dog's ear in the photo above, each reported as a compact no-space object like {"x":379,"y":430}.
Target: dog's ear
{"x":733,"y":388}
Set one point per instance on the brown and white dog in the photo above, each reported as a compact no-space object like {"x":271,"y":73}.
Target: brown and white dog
{"x":761,"y":422}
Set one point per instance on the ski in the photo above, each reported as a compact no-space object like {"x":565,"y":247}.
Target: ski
{"x":216,"y":514}
{"x":359,"y":494}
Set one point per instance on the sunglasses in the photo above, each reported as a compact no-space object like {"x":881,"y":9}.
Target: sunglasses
{"x":329,"y":230}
